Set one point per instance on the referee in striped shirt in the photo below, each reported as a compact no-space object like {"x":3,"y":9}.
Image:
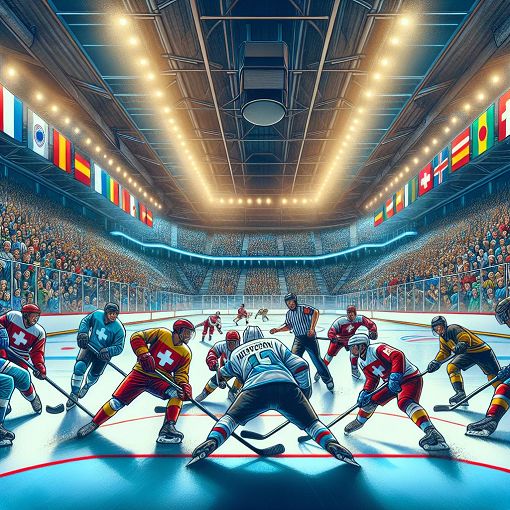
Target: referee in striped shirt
{"x":301,"y":320}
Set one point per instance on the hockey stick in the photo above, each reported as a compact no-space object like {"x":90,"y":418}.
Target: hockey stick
{"x":60,"y":407}
{"x":302,"y":439}
{"x":270,"y":451}
{"x":445,"y":407}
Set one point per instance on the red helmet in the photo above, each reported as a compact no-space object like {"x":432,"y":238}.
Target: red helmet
{"x":351,"y":308}
{"x":233,"y":338}
{"x":181,"y":326}
{"x":30,"y":308}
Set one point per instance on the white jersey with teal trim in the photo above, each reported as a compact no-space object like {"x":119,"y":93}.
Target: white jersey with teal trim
{"x":264,"y":361}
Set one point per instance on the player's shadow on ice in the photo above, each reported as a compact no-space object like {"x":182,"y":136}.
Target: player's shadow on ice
{"x":19,"y":420}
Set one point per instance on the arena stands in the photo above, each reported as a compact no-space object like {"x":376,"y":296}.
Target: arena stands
{"x":332,"y":274}
{"x":227,"y":243}
{"x":262,"y":280}
{"x":224,"y":280}
{"x":301,"y":280}
{"x":262,"y":244}
{"x":298,"y":243}
{"x":195,"y":273}
{"x":191,"y":239}
{"x":335,"y":240}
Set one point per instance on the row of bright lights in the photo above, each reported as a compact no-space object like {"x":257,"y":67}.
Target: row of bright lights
{"x":439,"y":140}
{"x":347,"y":144}
{"x":265,"y":201}
{"x":149,"y":74}
{"x":39,"y":97}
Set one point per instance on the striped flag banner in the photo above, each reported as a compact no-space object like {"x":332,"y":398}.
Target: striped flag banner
{"x":143,"y":213}
{"x":482,"y":132}
{"x":411,"y":191}
{"x":460,"y":150}
{"x":11,"y":114}
{"x":105,"y":184}
{"x":134,"y":207}
{"x":379,"y":216}
{"x":389,"y":207}
{"x":399,"y":200}
{"x":126,"y":201}
{"x":97,"y":179}
{"x":61,"y":151}
{"x":37,"y":134}
{"x":113,"y":191}
{"x":81,"y":168}
{"x":149,"y":218}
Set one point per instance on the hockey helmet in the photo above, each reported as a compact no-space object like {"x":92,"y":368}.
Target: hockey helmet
{"x":233,"y":339}
{"x":184,"y":329}
{"x":217,"y":313}
{"x":27,"y":310}
{"x":351,"y":308}
{"x":439,"y":320}
{"x":290,"y":297}
{"x":111,"y":308}
{"x":358,"y":339}
{"x":252,"y":333}
{"x":503,"y":311}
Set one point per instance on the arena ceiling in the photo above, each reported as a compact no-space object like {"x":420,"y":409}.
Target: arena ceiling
{"x":160,"y":78}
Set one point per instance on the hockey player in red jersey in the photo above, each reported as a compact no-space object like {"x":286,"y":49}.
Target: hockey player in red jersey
{"x":160,"y":350}
{"x":217,"y":356}
{"x":213,"y":321}
{"x":27,"y":339}
{"x":339,"y":333}
{"x":381,"y":361}
{"x":242,"y":313}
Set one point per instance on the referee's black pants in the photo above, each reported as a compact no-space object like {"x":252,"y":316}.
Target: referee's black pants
{"x":310,"y":344}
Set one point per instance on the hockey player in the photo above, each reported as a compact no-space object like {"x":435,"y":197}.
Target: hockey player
{"x":161,"y":350}
{"x":213,"y":321}
{"x":501,"y":398}
{"x":11,"y":376}
{"x":242,"y":313}
{"x":27,"y":339}
{"x":218,"y":354}
{"x":99,"y":332}
{"x":469,"y":350}
{"x":301,"y":320}
{"x":381,"y":361}
{"x":263,"y":313}
{"x":339,"y":333}
{"x":273,"y":378}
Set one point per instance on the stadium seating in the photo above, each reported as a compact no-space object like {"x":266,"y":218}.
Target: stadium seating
{"x":224,"y":281}
{"x":262,"y":281}
{"x":301,"y":280}
{"x":298,"y":243}
{"x":335,"y":240}
{"x":262,"y":244}
{"x":227,"y":243}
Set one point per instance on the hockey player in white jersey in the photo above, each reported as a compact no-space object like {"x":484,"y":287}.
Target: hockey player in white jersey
{"x":273,"y":378}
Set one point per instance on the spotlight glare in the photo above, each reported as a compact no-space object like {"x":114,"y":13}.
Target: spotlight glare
{"x":88,"y":141}
{"x":11,"y":72}
{"x":122,"y":21}
{"x":133,"y":41}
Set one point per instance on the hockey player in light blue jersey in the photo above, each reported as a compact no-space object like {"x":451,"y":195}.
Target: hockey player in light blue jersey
{"x":273,"y":378}
{"x":100,"y":337}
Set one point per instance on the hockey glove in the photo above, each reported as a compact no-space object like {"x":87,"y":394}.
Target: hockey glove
{"x":394,"y":382}
{"x":83,"y":340}
{"x":364,"y":398}
{"x":4,"y":339}
{"x":504,"y":373}
{"x":104,"y":354}
{"x":433,"y":366}
{"x":372,"y":335}
{"x":213,"y":366}
{"x":40,"y":371}
{"x":147,"y":362}
{"x":185,"y":393}
{"x":460,"y":348}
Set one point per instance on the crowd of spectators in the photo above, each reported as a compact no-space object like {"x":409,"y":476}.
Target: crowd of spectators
{"x":301,"y":280}
{"x":224,"y":280}
{"x":195,"y":273}
{"x":262,"y":280}
{"x":298,"y":243}
{"x":335,"y":240}
{"x":332,"y":273}
{"x":227,"y":243}
{"x":191,"y":239}
{"x":262,"y":244}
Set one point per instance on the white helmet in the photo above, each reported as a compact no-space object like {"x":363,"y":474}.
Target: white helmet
{"x":252,"y":333}
{"x":358,"y":339}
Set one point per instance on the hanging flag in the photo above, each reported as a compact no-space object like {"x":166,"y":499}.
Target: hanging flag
{"x":126,"y":201}
{"x":11,"y":114}
{"x":440,"y":165}
{"x":379,"y":216}
{"x":97,"y":179}
{"x":37,"y":134}
{"x":61,"y":151}
{"x":149,"y":217}
{"x":105,"y":184}
{"x":113,"y":191}
{"x":504,"y":116}
{"x":389,"y":207}
{"x":460,"y":150}
{"x":411,"y":191}
{"x":134,"y":207}
{"x":425,"y":180}
{"x":399,"y":200}
{"x":482,"y":132}
{"x":143,"y":213}
{"x":81,"y":168}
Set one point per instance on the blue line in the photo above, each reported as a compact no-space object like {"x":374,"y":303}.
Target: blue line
{"x":60,"y":357}
{"x":239,"y":258}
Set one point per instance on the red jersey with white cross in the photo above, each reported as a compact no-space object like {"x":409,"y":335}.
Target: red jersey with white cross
{"x":242,"y":312}
{"x":170,"y":359}
{"x":381,"y":360}
{"x":211,"y":321}
{"x":26,"y":342}
{"x":342,"y":329}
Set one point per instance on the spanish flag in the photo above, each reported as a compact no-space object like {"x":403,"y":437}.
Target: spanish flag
{"x":61,"y":151}
{"x":149,"y":218}
{"x":482,"y":132}
{"x":379,"y":216}
{"x":81,"y":169}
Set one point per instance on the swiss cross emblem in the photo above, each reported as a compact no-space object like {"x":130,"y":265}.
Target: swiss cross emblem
{"x":165,"y":358}
{"x":19,"y":338}
{"x":350,"y":328}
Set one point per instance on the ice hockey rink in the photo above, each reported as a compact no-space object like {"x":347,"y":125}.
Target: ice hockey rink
{"x":121,"y":466}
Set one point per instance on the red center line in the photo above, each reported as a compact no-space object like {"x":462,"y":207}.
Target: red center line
{"x":248,"y":456}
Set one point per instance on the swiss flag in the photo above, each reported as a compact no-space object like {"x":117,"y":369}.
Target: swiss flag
{"x":425,"y":180}
{"x":504,"y":116}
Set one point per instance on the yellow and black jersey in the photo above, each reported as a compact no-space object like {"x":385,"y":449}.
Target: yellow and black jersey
{"x":455,"y":334}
